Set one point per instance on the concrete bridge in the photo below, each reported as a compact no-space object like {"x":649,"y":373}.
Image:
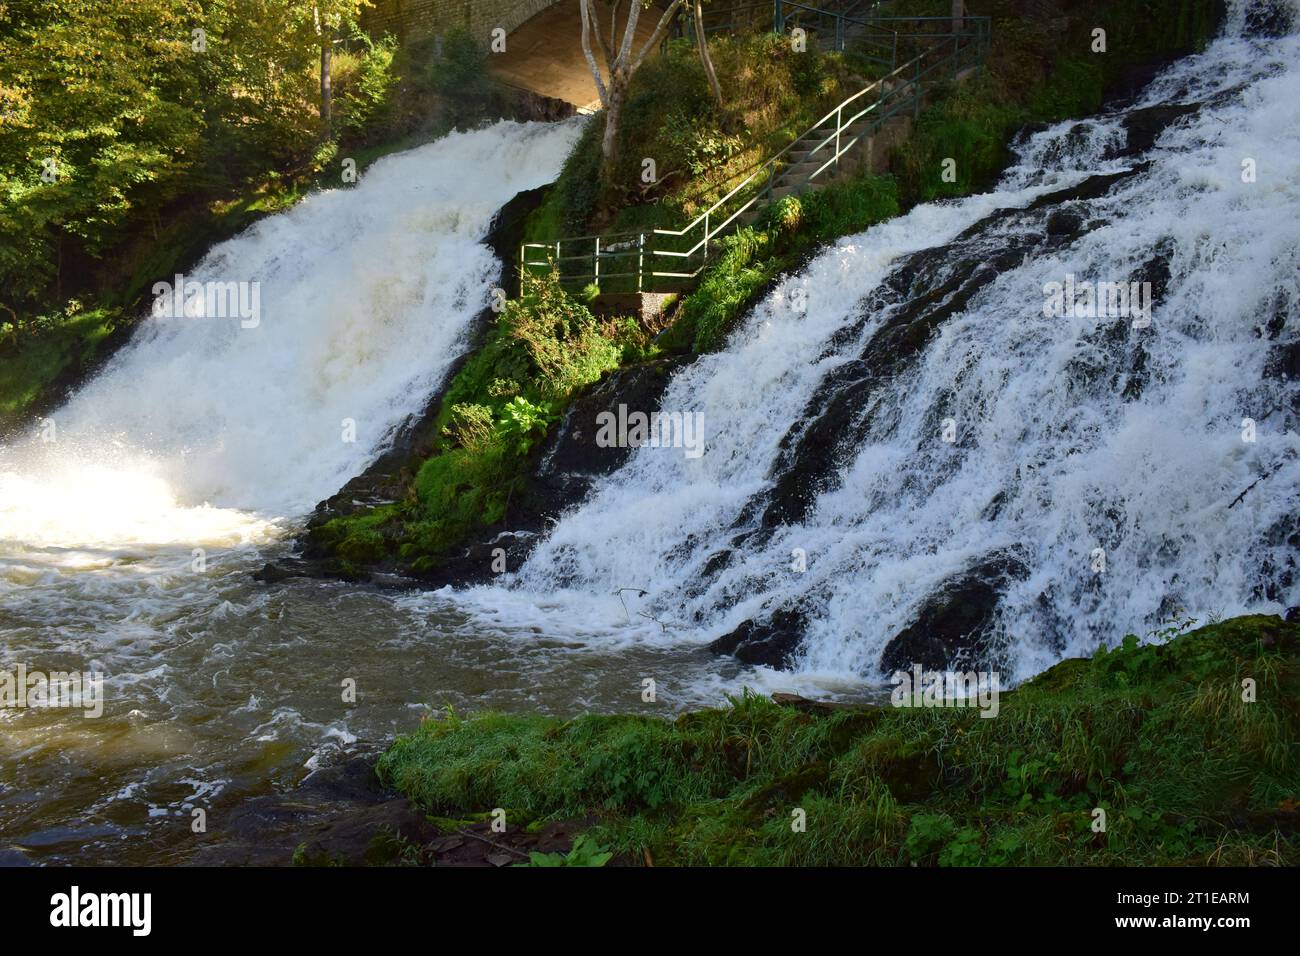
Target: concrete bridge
{"x":543,"y":39}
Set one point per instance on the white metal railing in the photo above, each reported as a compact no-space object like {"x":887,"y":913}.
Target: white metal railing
{"x":671,"y":254}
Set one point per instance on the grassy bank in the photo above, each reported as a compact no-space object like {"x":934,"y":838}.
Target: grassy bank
{"x":1156,"y":735}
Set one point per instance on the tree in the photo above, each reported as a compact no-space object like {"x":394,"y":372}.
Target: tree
{"x":326,"y":33}
{"x":702,"y":43}
{"x":621,"y":65}
{"x":329,"y":19}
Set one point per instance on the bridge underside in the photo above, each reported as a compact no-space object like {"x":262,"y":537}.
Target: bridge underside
{"x":544,"y":54}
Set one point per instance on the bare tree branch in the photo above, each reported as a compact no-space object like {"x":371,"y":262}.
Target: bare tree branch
{"x":584,"y":9}
{"x":629,"y":34}
{"x":657,"y":37}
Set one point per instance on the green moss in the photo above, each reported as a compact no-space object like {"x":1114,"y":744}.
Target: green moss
{"x":1157,"y":735}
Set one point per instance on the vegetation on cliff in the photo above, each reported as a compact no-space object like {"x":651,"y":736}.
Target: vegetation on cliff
{"x":1190,"y":746}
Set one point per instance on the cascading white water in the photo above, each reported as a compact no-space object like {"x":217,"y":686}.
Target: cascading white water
{"x":365,"y":298}
{"x":1077,"y":465}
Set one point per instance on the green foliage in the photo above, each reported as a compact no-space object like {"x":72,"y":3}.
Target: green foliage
{"x":365,"y":90}
{"x":53,"y":345}
{"x":585,"y":852}
{"x":461,"y":70}
{"x":753,"y":256}
{"x":522,"y":424}
{"x":1186,"y":771}
{"x":544,"y":347}
{"x":471,"y":426}
{"x":125,"y":152}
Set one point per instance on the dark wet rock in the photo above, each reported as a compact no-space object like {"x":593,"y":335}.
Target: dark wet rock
{"x":772,"y":643}
{"x":1065,"y":223}
{"x":570,"y":458}
{"x":954,"y":625}
{"x":1292,"y":615}
{"x":337,"y":815}
{"x":1143,"y":127}
{"x":1269,"y":18}
{"x":286,"y":570}
{"x":12,"y":856}
{"x":808,"y":705}
{"x":1283,"y":361}
{"x":342,"y":816}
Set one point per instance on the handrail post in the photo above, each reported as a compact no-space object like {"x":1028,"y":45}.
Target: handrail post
{"x":706,"y":238}
{"x":839,"y":124}
{"x":640,"y":259}
{"x":916,"y":88}
{"x":596,"y":262}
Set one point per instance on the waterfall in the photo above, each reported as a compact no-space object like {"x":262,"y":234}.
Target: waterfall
{"x":1089,"y":465}
{"x":204,"y":428}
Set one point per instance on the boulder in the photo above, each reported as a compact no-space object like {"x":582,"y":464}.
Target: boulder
{"x":771,"y":643}
{"x":954,"y":624}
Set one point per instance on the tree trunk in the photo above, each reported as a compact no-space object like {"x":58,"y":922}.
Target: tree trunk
{"x":609,"y":143}
{"x":326,"y":63}
{"x":703,"y":43}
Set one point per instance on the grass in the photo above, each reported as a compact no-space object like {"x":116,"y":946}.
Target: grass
{"x":1156,"y":735}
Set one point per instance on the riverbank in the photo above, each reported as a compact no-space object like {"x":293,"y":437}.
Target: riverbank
{"x":1184,"y":750}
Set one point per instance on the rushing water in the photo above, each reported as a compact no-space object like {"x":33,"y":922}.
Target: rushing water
{"x":127,"y":542}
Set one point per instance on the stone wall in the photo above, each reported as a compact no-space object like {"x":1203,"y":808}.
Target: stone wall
{"x":412,"y":20}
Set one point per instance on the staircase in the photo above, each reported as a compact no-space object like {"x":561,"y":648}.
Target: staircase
{"x":670,"y":260}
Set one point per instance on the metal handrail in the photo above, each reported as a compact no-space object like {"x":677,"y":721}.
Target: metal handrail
{"x":890,"y":102}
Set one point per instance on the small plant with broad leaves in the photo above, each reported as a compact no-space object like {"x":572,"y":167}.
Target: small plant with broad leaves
{"x":585,"y":852}
{"x":522,"y":423}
